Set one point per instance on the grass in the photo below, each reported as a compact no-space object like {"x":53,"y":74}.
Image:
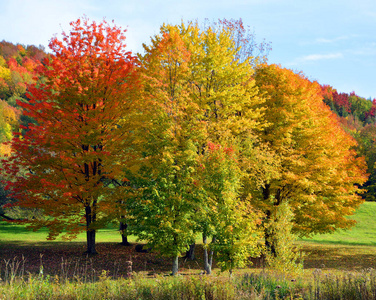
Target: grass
{"x":15,"y":233}
{"x":192,"y":287}
{"x":363,"y":233}
{"x":251,"y":286}
{"x":345,"y":250}
{"x":69,"y":274}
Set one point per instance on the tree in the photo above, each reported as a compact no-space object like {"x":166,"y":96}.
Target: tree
{"x":341,"y":103}
{"x":161,"y":213}
{"x":83,"y":132}
{"x":202,"y":96}
{"x":222,"y":214}
{"x":370,"y":115}
{"x":221,"y":84}
{"x":320,"y":172}
{"x":366,"y":138}
{"x":286,"y":257}
{"x":245,"y":42}
{"x":9,"y":123}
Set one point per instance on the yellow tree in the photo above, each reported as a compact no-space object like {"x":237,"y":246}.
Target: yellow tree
{"x":221,"y":84}
{"x":203,"y":96}
{"x":319,"y":171}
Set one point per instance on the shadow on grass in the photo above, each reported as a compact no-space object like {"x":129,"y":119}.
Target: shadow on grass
{"x":54,"y":255}
{"x":338,"y":242}
{"x":339,"y":257}
{"x":13,"y":228}
{"x":58,"y":257}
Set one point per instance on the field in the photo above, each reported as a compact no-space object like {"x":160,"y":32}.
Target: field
{"x":23,"y":253}
{"x":349,"y":250}
{"x":363,"y":233}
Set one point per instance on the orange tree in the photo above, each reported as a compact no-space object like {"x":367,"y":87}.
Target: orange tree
{"x":319,"y":171}
{"x":83,"y":116}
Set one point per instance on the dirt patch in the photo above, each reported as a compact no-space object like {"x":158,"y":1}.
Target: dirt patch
{"x":69,"y":260}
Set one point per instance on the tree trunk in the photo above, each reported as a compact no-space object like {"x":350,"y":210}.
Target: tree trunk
{"x":268,"y":235}
{"x":211,"y":256}
{"x":175,"y":265}
{"x":208,"y":257}
{"x":207,"y":267}
{"x":90,"y":237}
{"x":90,"y":233}
{"x":190,"y":254}
{"x":269,"y":245}
{"x":124,"y":237}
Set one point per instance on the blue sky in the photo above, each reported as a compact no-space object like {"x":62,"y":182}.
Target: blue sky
{"x":331,"y":41}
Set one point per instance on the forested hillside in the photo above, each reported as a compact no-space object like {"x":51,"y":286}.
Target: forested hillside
{"x":357,"y":116}
{"x":18,"y":69}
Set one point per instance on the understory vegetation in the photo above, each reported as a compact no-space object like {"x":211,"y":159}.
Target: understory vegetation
{"x":247,"y":286}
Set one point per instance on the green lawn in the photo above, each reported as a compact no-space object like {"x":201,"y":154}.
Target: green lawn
{"x":352,"y":250}
{"x":17,"y":233}
{"x":363,"y":233}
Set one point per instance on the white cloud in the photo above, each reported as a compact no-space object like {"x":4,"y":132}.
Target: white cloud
{"x":315,"y":58}
{"x":333,"y":40}
{"x":367,"y":50}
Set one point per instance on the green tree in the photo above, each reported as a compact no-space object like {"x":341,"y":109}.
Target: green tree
{"x":230,"y":221}
{"x":165,"y":203}
{"x":286,"y":257}
{"x":359,"y":107}
{"x":366,"y":138}
{"x":221,"y":84}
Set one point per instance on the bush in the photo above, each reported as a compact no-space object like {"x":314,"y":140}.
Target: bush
{"x":287,"y":257}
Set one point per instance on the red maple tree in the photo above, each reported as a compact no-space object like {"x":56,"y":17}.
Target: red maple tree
{"x":80,"y":141}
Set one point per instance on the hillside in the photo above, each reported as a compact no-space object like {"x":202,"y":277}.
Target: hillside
{"x":363,"y":233}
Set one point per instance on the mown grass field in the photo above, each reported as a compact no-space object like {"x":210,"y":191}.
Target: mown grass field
{"x":14,"y":233}
{"x":363,"y":233}
{"x":345,"y":250}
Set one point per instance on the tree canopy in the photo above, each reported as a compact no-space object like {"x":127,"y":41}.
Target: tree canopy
{"x":198,"y":135}
{"x":82,"y":130}
{"x":319,"y":170}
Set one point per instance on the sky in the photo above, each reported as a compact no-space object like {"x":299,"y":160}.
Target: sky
{"x":331,"y":41}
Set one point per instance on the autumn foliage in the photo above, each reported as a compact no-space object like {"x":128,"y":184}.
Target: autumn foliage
{"x":79,"y":139}
{"x":199,"y":135}
{"x":319,"y":170}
